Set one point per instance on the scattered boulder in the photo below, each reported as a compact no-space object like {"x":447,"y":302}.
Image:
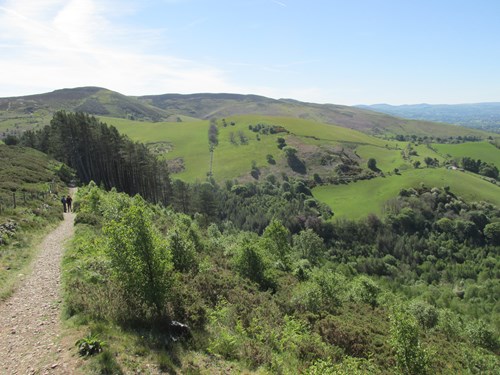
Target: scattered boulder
{"x":7,"y":230}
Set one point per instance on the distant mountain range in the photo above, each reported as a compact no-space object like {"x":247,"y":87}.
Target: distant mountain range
{"x":484,"y":116}
{"x":36,"y":110}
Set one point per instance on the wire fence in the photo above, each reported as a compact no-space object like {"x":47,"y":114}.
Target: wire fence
{"x":16,"y":198}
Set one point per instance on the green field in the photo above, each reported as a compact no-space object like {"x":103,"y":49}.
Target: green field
{"x":391,"y":157}
{"x":358,"y":199}
{"x":484,"y":151}
{"x":189,"y":141}
{"x":387,"y":159}
{"x":17,"y":123}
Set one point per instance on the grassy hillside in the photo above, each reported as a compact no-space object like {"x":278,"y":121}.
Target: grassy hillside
{"x":27,"y":176}
{"x":25,"y":170}
{"x":186,"y":140}
{"x":185,"y":144}
{"x":26,"y":112}
{"x":400,"y":155}
{"x":358,"y":199}
{"x":189,"y":141}
{"x":484,"y":151}
{"x":322,"y":147}
{"x":204,"y":106}
{"x":34,"y":110}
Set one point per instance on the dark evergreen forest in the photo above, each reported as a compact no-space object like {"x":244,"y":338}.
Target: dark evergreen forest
{"x":97,"y":152}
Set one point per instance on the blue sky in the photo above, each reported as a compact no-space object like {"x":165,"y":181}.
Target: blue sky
{"x":337,"y":51}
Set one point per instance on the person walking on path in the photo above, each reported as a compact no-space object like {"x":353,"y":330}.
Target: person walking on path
{"x":64,"y":202}
{"x":68,"y":202}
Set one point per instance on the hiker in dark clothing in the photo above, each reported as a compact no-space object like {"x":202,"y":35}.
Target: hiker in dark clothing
{"x":63,"y":201}
{"x":68,"y":202}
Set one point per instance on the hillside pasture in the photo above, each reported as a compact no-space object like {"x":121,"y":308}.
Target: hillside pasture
{"x":387,"y":159}
{"x":312,"y":131}
{"x":189,"y":140}
{"x":358,"y":199}
{"x":233,"y":157}
{"x":391,"y":157}
{"x":11,"y":123}
{"x":484,"y":151}
{"x":239,"y":146}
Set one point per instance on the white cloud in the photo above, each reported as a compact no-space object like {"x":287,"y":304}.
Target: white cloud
{"x":50,"y":44}
{"x":279,"y":3}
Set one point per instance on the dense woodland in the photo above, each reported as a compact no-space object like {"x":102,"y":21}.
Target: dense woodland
{"x":414,"y":292}
{"x":264,"y":276}
{"x":99,"y":153}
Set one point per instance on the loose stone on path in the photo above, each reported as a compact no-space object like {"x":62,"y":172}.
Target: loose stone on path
{"x":30,"y":329}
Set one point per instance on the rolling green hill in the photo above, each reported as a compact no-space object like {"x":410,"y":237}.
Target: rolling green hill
{"x":484,"y":151}
{"x":189,"y":141}
{"x":359,"y":199}
{"x":92,"y":100}
{"x":322,"y":147}
{"x":37,"y":110}
{"x":20,"y":113}
{"x":332,"y":143}
{"x":205,"y":106}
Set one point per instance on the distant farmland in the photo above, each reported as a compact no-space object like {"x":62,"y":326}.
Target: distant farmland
{"x":356,"y":200}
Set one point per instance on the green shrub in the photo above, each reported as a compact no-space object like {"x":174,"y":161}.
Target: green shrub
{"x":90,"y":345}
{"x":426,"y":315}
{"x":350,"y":366}
{"x":365,"y":290}
{"x":140,"y":260}
{"x":183,"y":250}
{"x":250,"y":263}
{"x":492,"y":233}
{"x":323,"y":292}
{"x":449,"y":324}
{"x":295,"y":346}
{"x":480,"y":334}
{"x":478,"y":361}
{"x":276,"y":241}
{"x":308,"y":245}
{"x":88,"y":218}
{"x":224,"y":340}
{"x":307,"y":297}
{"x":411,"y":357}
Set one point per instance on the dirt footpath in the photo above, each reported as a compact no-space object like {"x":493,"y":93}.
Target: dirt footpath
{"x":30,"y":327}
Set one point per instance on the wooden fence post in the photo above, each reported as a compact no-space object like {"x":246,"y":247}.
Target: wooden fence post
{"x":14,"y":198}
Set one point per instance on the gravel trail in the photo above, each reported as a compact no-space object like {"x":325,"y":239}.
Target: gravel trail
{"x":30,"y":324}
